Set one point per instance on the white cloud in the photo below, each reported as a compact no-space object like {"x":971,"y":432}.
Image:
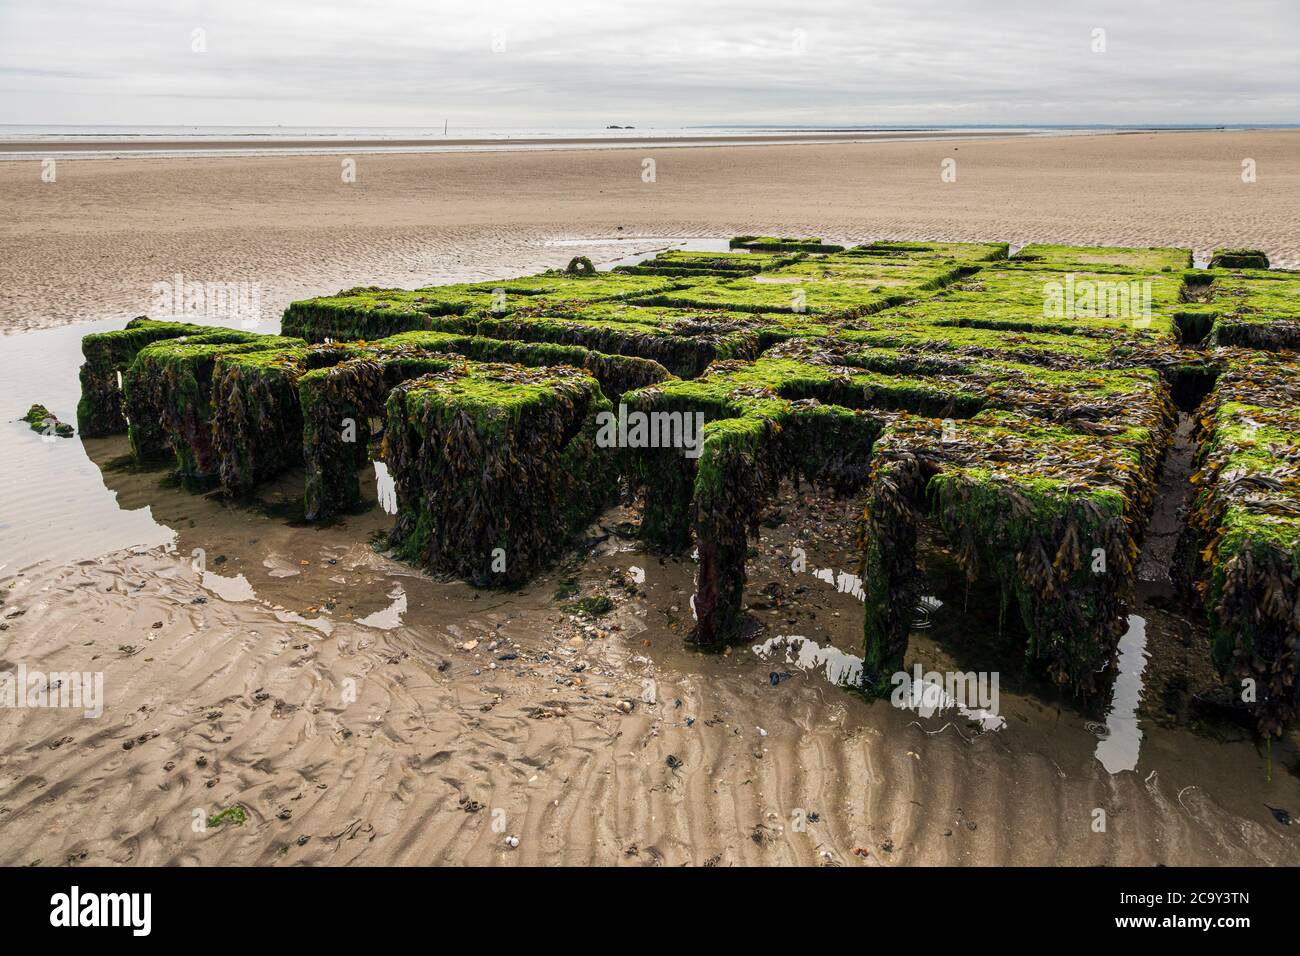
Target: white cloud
{"x":667,"y":63}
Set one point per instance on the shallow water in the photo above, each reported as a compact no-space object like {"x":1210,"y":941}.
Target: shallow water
{"x":1120,"y":747}
{"x":53,"y":502}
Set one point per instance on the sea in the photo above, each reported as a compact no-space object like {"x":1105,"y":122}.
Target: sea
{"x":210,"y":140}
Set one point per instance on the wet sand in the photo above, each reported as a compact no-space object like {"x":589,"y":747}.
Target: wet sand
{"x":92,"y":244}
{"x":356,"y":709}
{"x":602,"y":741}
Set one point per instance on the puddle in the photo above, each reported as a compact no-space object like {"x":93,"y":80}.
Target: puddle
{"x":326,"y":627}
{"x":385,"y":488}
{"x":391,"y":616}
{"x":929,"y":698}
{"x":1118,"y":750}
{"x":238,"y":588}
{"x":838,"y":667}
{"x":229,"y":589}
{"x":843,"y":581}
{"x":922,"y":694}
{"x":58,"y":506}
{"x":279,"y":567}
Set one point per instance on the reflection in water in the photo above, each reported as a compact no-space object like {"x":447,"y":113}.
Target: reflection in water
{"x":386,"y":488}
{"x":54,"y":505}
{"x":929,"y":698}
{"x":53,"y":502}
{"x":279,"y":567}
{"x":229,"y":589}
{"x":389,"y":617}
{"x":239,"y":589}
{"x":925,"y":606}
{"x":1118,"y":750}
{"x":843,"y":581}
{"x":322,"y":624}
{"x":840,"y":668}
{"x":926,"y":697}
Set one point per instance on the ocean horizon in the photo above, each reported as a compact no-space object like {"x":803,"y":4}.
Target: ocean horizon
{"x":10,"y":132}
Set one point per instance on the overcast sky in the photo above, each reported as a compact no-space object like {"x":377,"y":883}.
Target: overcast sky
{"x":649,"y":63}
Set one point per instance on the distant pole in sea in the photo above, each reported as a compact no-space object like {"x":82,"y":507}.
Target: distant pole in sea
{"x":444,"y":127}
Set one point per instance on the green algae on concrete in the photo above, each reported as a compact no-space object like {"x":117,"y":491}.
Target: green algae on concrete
{"x":772,"y":418}
{"x":683,"y":341}
{"x":1050,"y":511}
{"x":168,"y":391}
{"x":962,"y":251}
{"x":1239,"y":259}
{"x":369,"y":312}
{"x":1020,"y":405}
{"x":1037,"y":299}
{"x":257,"y":424}
{"x":753,"y":438}
{"x":1074,"y":619}
{"x":1104,"y":258}
{"x":676,"y":262}
{"x":342,"y":414}
{"x":615,"y":371}
{"x":1243,"y":545}
{"x":342,"y":407}
{"x":108,"y":354}
{"x":1051,"y":349}
{"x":1250,"y":308}
{"x":783,"y":244}
{"x":811,"y":286}
{"x":496,"y":468}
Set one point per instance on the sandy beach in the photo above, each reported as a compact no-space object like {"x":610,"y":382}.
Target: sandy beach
{"x":91,"y":244}
{"x":362,"y":712}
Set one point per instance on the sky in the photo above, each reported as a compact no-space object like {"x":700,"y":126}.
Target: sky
{"x":666,"y":63}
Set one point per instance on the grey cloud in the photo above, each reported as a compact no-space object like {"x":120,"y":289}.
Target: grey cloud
{"x":670,"y":63}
